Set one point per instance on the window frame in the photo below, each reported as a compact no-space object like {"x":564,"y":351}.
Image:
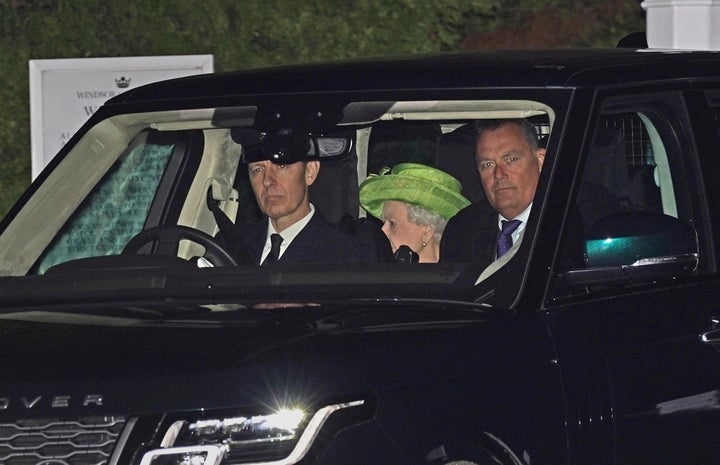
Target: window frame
{"x":666,"y":108}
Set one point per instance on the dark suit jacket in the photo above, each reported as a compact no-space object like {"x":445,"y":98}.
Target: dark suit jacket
{"x":471,"y":236}
{"x":318,"y":242}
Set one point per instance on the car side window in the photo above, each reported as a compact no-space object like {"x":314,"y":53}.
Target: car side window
{"x":637,"y":201}
{"x":117,"y":208}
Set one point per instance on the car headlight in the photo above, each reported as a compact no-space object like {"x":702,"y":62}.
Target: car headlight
{"x":282,"y":437}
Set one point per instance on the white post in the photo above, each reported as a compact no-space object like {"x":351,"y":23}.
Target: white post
{"x":683,"y":24}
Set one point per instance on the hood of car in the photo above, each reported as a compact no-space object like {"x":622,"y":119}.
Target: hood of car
{"x":170,"y":362}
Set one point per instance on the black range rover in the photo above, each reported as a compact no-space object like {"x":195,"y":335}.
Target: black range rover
{"x":117,"y":348}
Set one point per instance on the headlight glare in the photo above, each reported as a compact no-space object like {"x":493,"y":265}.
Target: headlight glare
{"x":282,"y":437}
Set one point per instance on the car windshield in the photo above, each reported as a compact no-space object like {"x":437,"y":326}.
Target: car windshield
{"x":143,"y":192}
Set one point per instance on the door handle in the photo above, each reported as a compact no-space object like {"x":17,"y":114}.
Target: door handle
{"x":712,"y":337}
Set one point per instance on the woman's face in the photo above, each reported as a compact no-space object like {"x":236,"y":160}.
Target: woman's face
{"x":399,"y":230}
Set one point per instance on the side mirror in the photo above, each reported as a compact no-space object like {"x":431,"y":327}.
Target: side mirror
{"x":636,"y":247}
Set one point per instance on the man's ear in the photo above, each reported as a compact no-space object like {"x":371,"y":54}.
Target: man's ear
{"x":540,"y":154}
{"x":312,"y":168}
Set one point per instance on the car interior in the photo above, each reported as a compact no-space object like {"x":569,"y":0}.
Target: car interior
{"x":169,"y":168}
{"x":182,"y":170}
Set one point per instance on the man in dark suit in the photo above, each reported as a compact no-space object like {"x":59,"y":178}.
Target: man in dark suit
{"x":295,"y":232}
{"x":509,"y":161}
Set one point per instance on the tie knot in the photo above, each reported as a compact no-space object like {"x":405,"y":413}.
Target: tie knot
{"x":275,"y":241}
{"x":509,"y":227}
{"x":505,"y":238}
{"x":274,"y":255}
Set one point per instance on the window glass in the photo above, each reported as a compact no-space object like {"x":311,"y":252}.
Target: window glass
{"x":116,"y":209}
{"x":634,"y":200}
{"x":392,"y":142}
{"x":448,"y":145}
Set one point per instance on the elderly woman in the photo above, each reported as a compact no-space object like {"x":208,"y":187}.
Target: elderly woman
{"x":414,"y":202}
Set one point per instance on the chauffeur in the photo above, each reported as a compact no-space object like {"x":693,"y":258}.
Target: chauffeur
{"x":281,"y":170}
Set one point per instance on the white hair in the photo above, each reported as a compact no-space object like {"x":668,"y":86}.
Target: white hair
{"x":424,"y":217}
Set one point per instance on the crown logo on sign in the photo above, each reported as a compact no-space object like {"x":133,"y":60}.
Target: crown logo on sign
{"x":123,"y":83}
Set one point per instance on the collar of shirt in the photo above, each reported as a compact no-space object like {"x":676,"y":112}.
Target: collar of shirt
{"x":522,"y":217}
{"x":288,"y":234}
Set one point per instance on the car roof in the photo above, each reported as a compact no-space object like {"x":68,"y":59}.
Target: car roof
{"x":556,"y":68}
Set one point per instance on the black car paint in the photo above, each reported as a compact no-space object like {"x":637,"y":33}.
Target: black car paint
{"x":327,"y":353}
{"x":604,"y":378}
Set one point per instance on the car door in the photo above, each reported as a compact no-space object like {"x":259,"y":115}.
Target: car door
{"x":633,"y":326}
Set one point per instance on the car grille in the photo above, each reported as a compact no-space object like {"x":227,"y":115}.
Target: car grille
{"x":87,"y":441}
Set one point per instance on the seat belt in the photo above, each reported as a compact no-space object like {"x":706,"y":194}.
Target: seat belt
{"x":229,"y":233}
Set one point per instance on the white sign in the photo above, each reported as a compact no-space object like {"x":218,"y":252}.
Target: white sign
{"x":65,"y":92}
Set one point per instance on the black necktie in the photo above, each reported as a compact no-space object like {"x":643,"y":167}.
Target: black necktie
{"x":274,"y":255}
{"x":505,"y":238}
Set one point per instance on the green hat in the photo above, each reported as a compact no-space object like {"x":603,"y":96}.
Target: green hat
{"x":413,"y":183}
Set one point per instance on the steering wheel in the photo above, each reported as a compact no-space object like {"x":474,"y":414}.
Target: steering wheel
{"x":168,"y":241}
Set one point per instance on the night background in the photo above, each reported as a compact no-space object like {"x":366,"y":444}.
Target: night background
{"x":252,"y":33}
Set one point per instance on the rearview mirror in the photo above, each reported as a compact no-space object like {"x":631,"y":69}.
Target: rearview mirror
{"x":288,"y":146}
